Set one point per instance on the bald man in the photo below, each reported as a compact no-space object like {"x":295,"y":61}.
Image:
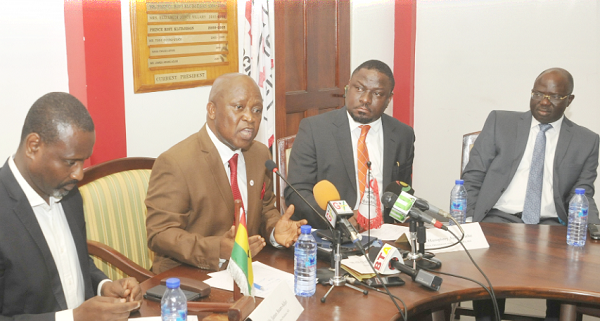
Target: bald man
{"x":191,"y":191}
{"x":497,"y":175}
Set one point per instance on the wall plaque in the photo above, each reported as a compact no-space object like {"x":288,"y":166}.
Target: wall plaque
{"x":182,"y":44}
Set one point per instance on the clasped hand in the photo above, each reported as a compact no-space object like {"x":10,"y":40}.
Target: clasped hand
{"x":118,"y":299}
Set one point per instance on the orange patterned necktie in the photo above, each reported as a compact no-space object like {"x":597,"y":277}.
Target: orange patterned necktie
{"x":363,"y":157}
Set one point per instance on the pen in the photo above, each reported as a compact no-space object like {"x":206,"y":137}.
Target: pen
{"x":258,"y":286}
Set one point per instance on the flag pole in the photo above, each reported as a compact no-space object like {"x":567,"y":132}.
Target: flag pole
{"x":237,"y":294}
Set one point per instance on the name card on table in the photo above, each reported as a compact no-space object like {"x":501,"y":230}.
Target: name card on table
{"x":474,"y":238}
{"x":280,"y":305}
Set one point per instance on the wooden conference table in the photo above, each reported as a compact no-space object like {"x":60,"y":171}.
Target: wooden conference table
{"x":523,"y":261}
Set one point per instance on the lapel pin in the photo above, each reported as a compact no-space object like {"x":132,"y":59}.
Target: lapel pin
{"x":251,"y":182}
{"x":398,"y":164}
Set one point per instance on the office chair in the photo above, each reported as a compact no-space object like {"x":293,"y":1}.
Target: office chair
{"x":284,"y":148}
{"x":113,"y":204}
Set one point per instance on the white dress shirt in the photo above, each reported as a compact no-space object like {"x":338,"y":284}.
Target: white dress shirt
{"x":53,"y":223}
{"x":513,"y":199}
{"x":374,"y":142}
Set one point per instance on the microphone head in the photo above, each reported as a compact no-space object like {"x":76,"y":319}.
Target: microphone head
{"x":324,"y":192}
{"x":270,"y":165}
{"x":388,"y":199}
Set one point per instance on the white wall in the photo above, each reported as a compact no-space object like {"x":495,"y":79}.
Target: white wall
{"x":476,"y":56}
{"x":372,"y":34}
{"x":33,"y":62}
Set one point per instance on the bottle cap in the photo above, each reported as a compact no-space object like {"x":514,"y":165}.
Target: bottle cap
{"x":459,"y":182}
{"x":580,"y":191}
{"x":305,"y":229}
{"x":173,"y":283}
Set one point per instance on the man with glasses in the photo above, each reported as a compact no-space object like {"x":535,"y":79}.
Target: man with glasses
{"x":524,"y":166}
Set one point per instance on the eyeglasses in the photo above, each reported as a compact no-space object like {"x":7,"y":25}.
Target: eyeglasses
{"x":555,"y":99}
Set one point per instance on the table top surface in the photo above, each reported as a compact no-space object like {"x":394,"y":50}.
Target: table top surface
{"x":527,"y":261}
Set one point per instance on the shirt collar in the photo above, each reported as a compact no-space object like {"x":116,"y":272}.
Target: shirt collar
{"x":555,"y":125}
{"x":224,"y":151}
{"x":375,"y":125}
{"x":32,"y":196}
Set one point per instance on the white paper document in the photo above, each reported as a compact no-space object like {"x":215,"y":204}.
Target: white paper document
{"x":388,"y":232}
{"x":280,"y":305}
{"x":474,"y":238}
{"x":360,"y":265}
{"x":266,"y":279}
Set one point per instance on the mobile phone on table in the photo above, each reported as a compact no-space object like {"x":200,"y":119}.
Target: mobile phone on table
{"x":387,"y":280}
{"x":594,"y":230}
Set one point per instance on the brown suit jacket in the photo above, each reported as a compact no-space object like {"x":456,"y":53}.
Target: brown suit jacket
{"x":190,"y":204}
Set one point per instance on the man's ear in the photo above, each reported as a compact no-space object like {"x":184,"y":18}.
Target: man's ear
{"x":33,"y":143}
{"x":211,"y":110}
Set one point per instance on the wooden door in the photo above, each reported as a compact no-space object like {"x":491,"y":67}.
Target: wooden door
{"x":312,"y":53}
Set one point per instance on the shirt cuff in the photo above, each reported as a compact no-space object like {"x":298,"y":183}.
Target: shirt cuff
{"x":64,"y":315}
{"x":100,"y":286}
{"x":273,"y":242}
{"x":221,"y":262}
{"x":469,"y":219}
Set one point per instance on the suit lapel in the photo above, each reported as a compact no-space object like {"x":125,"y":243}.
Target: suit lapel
{"x":253,"y":172}
{"x":564,"y":139}
{"x":71,"y":209}
{"x":341,"y":131}
{"x":217,"y":171}
{"x":523,"y":128}
{"x":24,"y":212}
{"x":390,"y":146}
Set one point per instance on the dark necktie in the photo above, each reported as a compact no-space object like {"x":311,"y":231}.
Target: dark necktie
{"x":533,"y":196}
{"x":233,"y":162}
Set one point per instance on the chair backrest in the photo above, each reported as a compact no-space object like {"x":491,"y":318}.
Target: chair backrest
{"x":468,"y":141}
{"x":113,"y":203}
{"x":284,"y":148}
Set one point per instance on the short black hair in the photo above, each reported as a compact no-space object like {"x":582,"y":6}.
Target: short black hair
{"x":378,"y":65}
{"x":54,"y":109}
{"x":565,"y":73}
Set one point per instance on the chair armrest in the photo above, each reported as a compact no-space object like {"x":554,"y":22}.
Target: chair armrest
{"x":119,"y":260}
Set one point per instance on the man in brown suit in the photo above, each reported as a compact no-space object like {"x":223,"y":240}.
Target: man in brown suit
{"x":190,"y":199}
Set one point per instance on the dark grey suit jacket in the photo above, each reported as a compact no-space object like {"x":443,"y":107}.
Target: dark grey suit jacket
{"x":499,"y":148}
{"x":30,"y":287}
{"x":322,"y":150}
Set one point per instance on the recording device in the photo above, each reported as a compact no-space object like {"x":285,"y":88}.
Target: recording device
{"x":387,"y":259}
{"x":387,"y":280}
{"x":594,"y":231}
{"x":397,"y":187}
{"x":402,"y":207}
{"x":337,"y":212}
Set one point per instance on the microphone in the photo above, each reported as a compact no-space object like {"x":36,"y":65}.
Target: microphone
{"x":398,"y":187}
{"x":402,"y":208}
{"x":336,"y":210}
{"x":271,"y":166}
{"x":387,"y":259}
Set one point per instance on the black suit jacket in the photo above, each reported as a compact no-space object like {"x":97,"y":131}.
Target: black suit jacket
{"x":30,"y":287}
{"x":322,"y":150}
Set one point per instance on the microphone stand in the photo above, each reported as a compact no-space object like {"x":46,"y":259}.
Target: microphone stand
{"x":413,"y":255}
{"x":337,"y":279}
{"x":369,"y":206}
{"x":427,"y":261}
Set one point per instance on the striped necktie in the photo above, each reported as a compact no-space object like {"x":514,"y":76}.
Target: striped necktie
{"x":362,"y":158}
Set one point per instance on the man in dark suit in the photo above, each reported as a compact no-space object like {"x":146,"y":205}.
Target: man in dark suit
{"x":191,"y":190}
{"x":326,"y":145}
{"x":500,"y":176}
{"x":45,"y":270}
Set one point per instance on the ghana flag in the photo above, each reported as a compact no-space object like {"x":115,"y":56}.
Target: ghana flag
{"x":240,"y":264}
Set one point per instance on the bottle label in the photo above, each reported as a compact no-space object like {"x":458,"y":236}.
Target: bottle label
{"x":583,"y":212}
{"x":458,"y":206}
{"x":310,"y":261}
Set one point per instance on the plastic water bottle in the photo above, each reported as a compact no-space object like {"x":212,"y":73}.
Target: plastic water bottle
{"x":173,"y":306}
{"x":458,"y":202}
{"x":305,"y":263}
{"x":578,"y":217}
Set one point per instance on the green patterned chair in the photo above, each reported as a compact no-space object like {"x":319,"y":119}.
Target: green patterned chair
{"x":113,"y":203}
